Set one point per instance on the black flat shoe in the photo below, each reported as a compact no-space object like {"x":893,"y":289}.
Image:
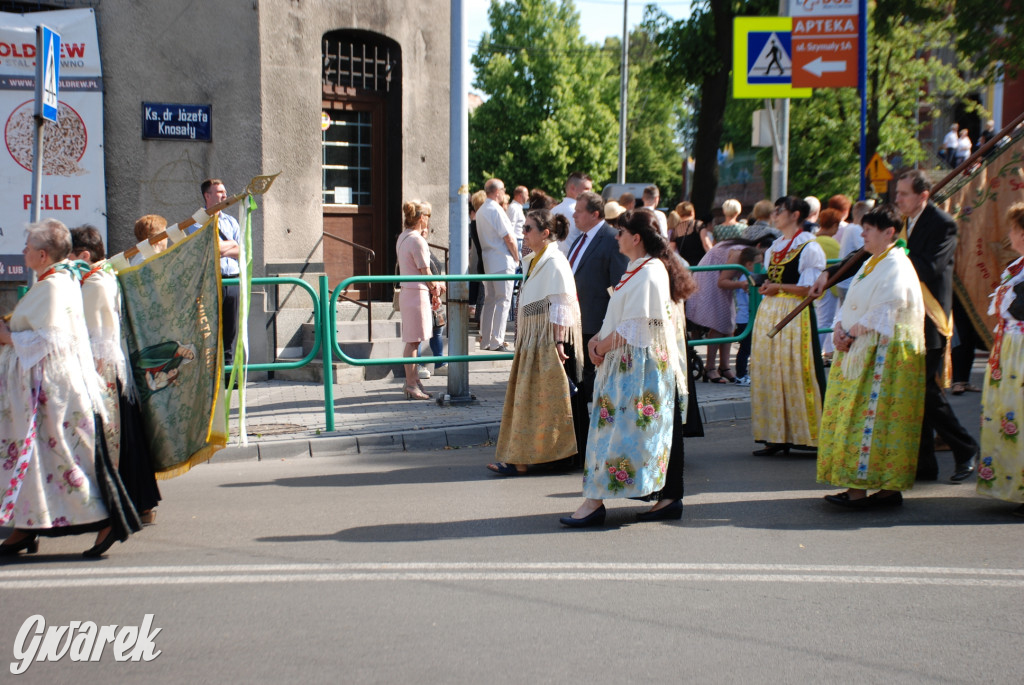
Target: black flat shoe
{"x":963,"y":470}
{"x":843,"y":500}
{"x":30,"y":544}
{"x":100,"y":547}
{"x":771,"y":448}
{"x":880,"y":501}
{"x":595,"y":518}
{"x":672,"y":512}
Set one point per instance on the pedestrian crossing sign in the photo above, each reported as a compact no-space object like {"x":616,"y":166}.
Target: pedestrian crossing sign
{"x":762,"y":59}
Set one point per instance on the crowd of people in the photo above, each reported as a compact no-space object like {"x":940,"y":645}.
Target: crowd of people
{"x":601,"y":374}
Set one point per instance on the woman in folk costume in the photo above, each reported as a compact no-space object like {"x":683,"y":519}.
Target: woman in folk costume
{"x":57,"y":475}
{"x":1001,"y":470}
{"x":871,"y":423}
{"x":634,"y":447}
{"x":788,"y":379}
{"x":126,"y":441}
{"x":536,"y":424}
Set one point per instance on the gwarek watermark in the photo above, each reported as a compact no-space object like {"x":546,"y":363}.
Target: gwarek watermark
{"x":82,"y":641}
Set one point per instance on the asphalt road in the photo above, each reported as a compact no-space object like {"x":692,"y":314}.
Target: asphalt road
{"x":423,"y":568}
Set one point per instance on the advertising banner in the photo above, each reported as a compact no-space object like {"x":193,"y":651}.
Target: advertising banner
{"x":74,"y":190}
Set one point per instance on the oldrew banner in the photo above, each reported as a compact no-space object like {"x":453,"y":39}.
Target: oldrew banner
{"x":74,"y":190}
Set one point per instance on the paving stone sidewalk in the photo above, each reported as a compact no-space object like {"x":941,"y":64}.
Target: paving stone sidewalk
{"x":287,"y":418}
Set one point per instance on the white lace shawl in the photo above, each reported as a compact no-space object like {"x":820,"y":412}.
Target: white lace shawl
{"x":641,"y":311}
{"x":887,"y":301}
{"x":49,"y":323}
{"x":552,"y":279}
{"x":102,"y":303}
{"x":1010,"y":296}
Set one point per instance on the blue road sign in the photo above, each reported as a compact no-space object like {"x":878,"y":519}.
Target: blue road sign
{"x":769,"y":57}
{"x":47,"y":73}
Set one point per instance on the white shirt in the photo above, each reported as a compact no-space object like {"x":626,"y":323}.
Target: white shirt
{"x":566,"y":208}
{"x":912,"y":221}
{"x":949,"y":142}
{"x":517,"y":217}
{"x":662,"y":221}
{"x":589,"y":240}
{"x":493,"y":226}
{"x":812,"y":257}
{"x":852,"y":241}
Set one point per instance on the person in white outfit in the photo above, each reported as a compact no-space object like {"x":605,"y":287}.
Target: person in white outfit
{"x":500,"y":255}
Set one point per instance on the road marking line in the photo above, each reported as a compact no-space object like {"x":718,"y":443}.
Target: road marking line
{"x":27,"y":571}
{"x":29,"y":579}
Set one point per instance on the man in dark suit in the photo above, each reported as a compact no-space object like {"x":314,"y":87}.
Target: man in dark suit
{"x":597,"y":265}
{"x":931,"y":237}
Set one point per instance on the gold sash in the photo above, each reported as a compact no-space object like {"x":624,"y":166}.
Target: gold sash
{"x":937,"y":315}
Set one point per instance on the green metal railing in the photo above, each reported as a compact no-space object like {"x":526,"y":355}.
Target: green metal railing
{"x":317,"y":338}
{"x":325,"y":339}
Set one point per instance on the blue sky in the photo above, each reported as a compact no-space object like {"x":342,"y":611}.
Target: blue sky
{"x":598,"y":18}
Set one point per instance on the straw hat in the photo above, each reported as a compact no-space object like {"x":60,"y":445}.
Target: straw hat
{"x":613,"y":210}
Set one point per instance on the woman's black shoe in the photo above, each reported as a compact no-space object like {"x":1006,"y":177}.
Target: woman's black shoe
{"x":771,"y":448}
{"x":595,"y":518}
{"x":100,"y":547}
{"x":843,"y":500}
{"x":30,"y":544}
{"x":672,"y":512}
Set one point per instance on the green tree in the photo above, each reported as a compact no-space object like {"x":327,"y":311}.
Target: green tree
{"x":548,"y":109}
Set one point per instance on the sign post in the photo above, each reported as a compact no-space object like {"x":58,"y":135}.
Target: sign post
{"x":763,"y":68}
{"x":878,"y":172}
{"x":47,"y":102}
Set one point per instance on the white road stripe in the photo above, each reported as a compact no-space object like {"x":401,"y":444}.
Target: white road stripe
{"x":26,"y":577}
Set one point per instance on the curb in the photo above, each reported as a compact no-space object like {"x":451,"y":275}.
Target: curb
{"x":453,"y":437}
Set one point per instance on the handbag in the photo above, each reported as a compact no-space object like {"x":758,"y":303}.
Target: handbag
{"x":394,"y":300}
{"x":439,"y":317}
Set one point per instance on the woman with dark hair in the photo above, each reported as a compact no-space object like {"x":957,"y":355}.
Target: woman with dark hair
{"x":126,"y":438}
{"x":536,"y":423}
{"x":871,"y":423}
{"x":789,"y":380}
{"x":640,"y":393}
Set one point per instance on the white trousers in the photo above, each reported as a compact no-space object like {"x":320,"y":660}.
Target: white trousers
{"x":494,"y":317}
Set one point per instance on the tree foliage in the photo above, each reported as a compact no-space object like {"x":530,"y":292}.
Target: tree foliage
{"x":548,"y":111}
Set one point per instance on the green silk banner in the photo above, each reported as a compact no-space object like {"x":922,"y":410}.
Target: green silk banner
{"x":171,"y":312}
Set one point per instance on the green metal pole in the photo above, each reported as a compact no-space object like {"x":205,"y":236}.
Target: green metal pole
{"x":326,"y":340}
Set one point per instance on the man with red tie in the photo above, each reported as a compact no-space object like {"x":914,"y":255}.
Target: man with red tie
{"x":597,"y":265}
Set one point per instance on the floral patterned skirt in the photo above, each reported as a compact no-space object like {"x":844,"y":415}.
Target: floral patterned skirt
{"x":1001,"y":472}
{"x":47,"y":438}
{"x":871,"y":423}
{"x":630,"y":425}
{"x":785,"y":394}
